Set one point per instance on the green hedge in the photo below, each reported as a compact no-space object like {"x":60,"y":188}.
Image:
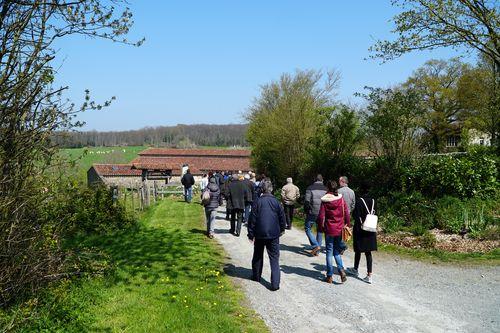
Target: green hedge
{"x":414,"y":212}
{"x":469,"y":175}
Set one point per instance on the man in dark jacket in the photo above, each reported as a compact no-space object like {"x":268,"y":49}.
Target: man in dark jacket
{"x":212,"y":205}
{"x":239,"y":194}
{"x":312,"y":204}
{"x":267,"y":223}
{"x":188,"y":182}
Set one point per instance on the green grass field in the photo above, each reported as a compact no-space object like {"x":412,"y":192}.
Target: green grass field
{"x":85,"y":157}
{"x":167,"y":276}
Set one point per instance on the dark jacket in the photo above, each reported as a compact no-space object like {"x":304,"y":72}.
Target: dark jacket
{"x":363,"y":241}
{"x":215,"y":196}
{"x":333,"y":214}
{"x":267,"y":220}
{"x":312,"y":201}
{"x":250,"y":185}
{"x":187,"y":180}
{"x":239,"y":194}
{"x":225,"y":193}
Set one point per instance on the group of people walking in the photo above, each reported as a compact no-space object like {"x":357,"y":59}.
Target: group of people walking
{"x":327,"y":205}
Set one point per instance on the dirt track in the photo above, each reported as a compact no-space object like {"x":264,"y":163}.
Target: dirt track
{"x":407,"y":296}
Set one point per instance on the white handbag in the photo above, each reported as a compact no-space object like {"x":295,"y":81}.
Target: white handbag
{"x":371,"y":220}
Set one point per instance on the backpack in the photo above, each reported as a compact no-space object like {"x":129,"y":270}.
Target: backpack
{"x":205,"y":197}
{"x":371,"y":220}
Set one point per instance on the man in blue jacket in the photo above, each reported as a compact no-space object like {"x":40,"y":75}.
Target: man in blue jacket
{"x":267,"y":223}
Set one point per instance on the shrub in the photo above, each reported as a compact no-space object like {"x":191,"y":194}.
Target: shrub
{"x":57,"y":211}
{"x":427,"y":240}
{"x":472,"y":174}
{"x":391,"y":223}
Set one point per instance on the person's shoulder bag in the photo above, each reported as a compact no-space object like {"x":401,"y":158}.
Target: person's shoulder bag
{"x":346,"y":231}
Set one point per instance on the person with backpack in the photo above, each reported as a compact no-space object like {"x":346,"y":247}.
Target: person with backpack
{"x":188,"y":181}
{"x":363,"y":241}
{"x":333,"y":216}
{"x":211,"y":199}
{"x":267,"y":224}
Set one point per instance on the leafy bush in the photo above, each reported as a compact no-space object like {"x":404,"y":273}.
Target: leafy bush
{"x":57,"y":210}
{"x":427,"y":240}
{"x":391,"y":223}
{"x":88,"y":210}
{"x":472,"y":174}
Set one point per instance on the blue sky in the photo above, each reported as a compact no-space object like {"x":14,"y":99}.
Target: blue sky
{"x":203,"y":61}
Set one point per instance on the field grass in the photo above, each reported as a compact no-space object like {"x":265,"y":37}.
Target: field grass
{"x":85,"y":157}
{"x":167,"y":277}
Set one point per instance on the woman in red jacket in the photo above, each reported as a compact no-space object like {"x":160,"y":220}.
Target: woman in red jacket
{"x":333,"y":215}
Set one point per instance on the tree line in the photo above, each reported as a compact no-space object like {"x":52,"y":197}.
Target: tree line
{"x":182,"y":136}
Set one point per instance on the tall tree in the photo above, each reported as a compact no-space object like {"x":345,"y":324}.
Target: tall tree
{"x":393,"y":123}
{"x":430,"y":24}
{"x":335,"y":140}
{"x":285,"y":117}
{"x":437,"y":83}
{"x":31,"y":109}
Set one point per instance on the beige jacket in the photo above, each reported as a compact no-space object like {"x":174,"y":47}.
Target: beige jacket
{"x":289,"y":194}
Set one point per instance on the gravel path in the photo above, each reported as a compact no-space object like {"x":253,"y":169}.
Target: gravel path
{"x":406,"y":296}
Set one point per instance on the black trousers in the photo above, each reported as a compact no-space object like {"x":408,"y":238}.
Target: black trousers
{"x":289,"y":215}
{"x":273,"y":250}
{"x":236,"y":221}
{"x":369,"y":260}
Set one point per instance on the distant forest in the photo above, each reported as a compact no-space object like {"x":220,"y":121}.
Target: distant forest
{"x":181,"y":136}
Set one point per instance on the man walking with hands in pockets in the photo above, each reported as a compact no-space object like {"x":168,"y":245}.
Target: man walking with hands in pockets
{"x":267,"y":223}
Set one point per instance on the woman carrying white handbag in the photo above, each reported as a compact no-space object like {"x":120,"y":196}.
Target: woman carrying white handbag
{"x":364,"y":235}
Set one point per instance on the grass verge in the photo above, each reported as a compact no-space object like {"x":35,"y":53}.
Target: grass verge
{"x":166,"y":276}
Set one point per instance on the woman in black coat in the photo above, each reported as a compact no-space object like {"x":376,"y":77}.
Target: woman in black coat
{"x":363,"y":241}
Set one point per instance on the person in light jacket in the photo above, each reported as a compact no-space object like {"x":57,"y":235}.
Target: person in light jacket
{"x":267,"y":223}
{"x":333,"y":216}
{"x":289,"y":195}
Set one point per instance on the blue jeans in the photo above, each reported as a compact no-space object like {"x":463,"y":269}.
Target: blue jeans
{"x":333,"y":248}
{"x":310,"y":221}
{"x":248,"y":208}
{"x":188,"y":194}
{"x":210,"y":214}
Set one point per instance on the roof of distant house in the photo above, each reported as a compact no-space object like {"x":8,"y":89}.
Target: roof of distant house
{"x":116,"y":170}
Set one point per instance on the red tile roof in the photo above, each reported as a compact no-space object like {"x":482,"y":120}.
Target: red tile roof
{"x":197,"y":165}
{"x":116,"y":170}
{"x":196,"y":152}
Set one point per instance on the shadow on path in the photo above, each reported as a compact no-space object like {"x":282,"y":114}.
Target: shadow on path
{"x":244,"y":273}
{"x":309,"y":273}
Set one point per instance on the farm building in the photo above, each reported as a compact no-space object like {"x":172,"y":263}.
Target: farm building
{"x":167,"y":165}
{"x":114,"y":174}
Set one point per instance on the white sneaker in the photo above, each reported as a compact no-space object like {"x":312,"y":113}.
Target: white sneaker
{"x":352,"y":271}
{"x":368,"y":279}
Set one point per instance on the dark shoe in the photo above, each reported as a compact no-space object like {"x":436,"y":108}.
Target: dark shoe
{"x":236,"y":234}
{"x":343,"y":276}
{"x":255,"y":279}
{"x":211,"y":236}
{"x":231,"y":232}
{"x":288,"y":228}
{"x":329,"y":279}
{"x":315,"y":251}
{"x":274,"y":288}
